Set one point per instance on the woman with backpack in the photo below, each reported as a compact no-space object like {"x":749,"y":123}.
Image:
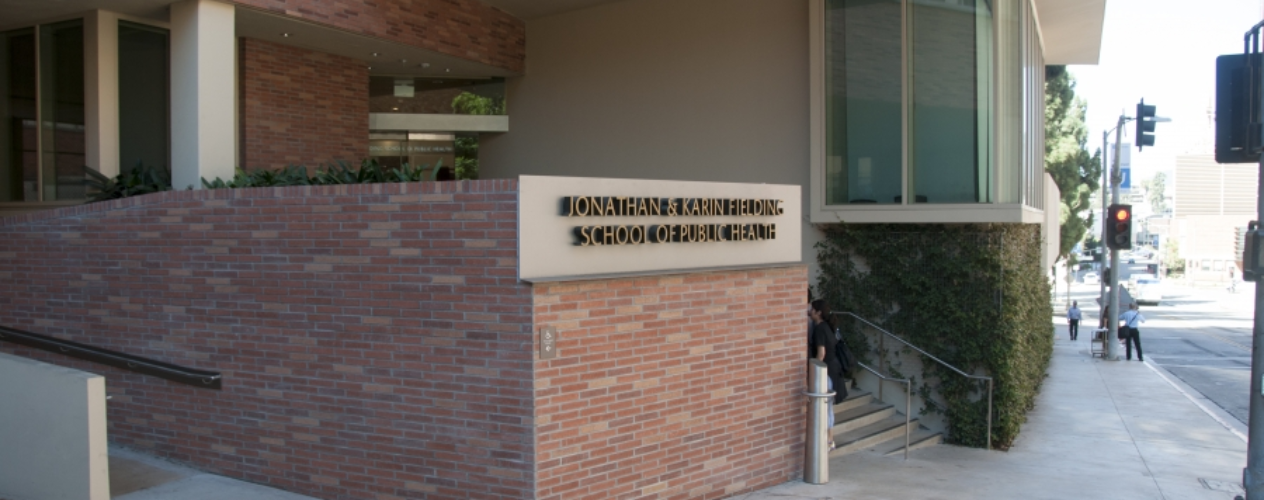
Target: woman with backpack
{"x":822,"y":348}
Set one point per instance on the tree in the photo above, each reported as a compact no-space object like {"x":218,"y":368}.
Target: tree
{"x":1074,"y":170}
{"x":1154,"y":192}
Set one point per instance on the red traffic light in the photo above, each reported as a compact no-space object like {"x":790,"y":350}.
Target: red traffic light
{"x":1119,"y":232}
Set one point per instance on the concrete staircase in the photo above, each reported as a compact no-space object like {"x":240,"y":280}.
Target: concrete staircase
{"x":862,"y":422}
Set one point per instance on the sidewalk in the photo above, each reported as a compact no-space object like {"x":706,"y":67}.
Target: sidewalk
{"x":1100,"y":429}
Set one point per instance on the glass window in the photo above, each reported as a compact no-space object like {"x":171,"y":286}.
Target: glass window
{"x":62,"y":139}
{"x":864,"y":128}
{"x":442,"y":96}
{"x":931,"y":117}
{"x":950,"y":107}
{"x":19,"y":176}
{"x":144,"y":124}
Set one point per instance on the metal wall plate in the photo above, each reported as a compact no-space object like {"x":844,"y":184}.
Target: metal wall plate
{"x":548,"y":342}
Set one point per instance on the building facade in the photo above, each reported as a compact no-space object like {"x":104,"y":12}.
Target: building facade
{"x":886,"y":111}
{"x":1212,"y":204}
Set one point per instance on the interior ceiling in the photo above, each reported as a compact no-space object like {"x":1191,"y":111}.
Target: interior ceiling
{"x":1072,"y":30}
{"x":531,"y":9}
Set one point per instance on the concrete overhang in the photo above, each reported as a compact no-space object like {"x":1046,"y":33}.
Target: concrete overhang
{"x":1071,"y":30}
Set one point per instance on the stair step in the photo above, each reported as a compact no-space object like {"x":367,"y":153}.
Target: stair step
{"x":855,"y":399}
{"x":871,"y":435}
{"x":858,"y":417}
{"x":919,"y":438}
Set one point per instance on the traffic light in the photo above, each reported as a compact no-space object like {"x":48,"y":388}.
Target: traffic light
{"x":1119,"y":227}
{"x":1145,"y":125}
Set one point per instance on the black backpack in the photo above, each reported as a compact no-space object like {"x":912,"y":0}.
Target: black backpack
{"x":843,"y":354}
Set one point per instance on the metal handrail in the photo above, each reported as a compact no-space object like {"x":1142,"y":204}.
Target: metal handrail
{"x":175,"y":373}
{"x":908,"y":400}
{"x":940,"y":361}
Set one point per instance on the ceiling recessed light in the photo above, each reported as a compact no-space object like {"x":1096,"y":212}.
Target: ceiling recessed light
{"x":403,"y":61}
{"x":375,"y":54}
{"x":286,"y":35}
{"x":449,"y":70}
{"x":370,"y":68}
{"x":425,"y":65}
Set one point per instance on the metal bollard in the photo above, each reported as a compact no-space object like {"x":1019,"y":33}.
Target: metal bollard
{"x":820,"y":403}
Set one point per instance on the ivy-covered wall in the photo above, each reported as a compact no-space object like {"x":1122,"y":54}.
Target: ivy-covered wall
{"x":974,"y":296}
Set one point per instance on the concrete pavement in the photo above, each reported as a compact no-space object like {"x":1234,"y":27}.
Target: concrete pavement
{"x":1100,"y":429}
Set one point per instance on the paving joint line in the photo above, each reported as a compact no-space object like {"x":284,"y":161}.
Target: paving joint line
{"x":1131,"y":437}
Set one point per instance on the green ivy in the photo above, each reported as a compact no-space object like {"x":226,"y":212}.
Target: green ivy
{"x":974,"y":296}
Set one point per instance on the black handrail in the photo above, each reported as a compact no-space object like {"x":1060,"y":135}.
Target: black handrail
{"x":174,"y":373}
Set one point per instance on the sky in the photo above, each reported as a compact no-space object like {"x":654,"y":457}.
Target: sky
{"x":1165,"y":52}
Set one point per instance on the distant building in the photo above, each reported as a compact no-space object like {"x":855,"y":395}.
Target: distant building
{"x":1211,"y":201}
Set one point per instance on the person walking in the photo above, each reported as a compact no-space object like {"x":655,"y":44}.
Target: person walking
{"x":1130,"y":319}
{"x":822,"y":349}
{"x":1073,"y":319}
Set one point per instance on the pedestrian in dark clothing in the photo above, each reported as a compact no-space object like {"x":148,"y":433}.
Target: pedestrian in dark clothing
{"x":822,"y":347}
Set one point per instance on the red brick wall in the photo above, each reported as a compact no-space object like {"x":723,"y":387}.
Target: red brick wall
{"x":683,"y":387}
{"x":463,"y":28}
{"x":374,"y":340}
{"x":301,"y":107}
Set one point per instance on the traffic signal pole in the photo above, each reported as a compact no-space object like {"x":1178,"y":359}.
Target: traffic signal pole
{"x":1253,"y":474}
{"x":1112,"y":336}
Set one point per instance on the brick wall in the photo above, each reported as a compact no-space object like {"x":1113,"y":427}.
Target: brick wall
{"x":463,"y":28}
{"x":301,"y":107}
{"x":682,"y":387}
{"x":374,"y":340}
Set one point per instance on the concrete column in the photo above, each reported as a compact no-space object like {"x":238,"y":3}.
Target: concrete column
{"x":100,"y":87}
{"x":203,"y":92}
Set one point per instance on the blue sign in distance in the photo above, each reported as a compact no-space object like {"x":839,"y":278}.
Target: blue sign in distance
{"x":1125,"y":178}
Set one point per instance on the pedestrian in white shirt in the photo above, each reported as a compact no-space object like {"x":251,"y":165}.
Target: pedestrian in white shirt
{"x":1073,"y":319}
{"x":1130,"y":319}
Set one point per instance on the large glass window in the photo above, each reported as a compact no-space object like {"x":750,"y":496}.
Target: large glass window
{"x":19,"y":164}
{"x":864,"y":159}
{"x":42,"y":141}
{"x":908,"y":99}
{"x":144,"y":89}
{"x":950,"y":65}
{"x":62,"y":139}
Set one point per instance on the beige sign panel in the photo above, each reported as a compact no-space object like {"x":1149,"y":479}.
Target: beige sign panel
{"x":580,"y":227}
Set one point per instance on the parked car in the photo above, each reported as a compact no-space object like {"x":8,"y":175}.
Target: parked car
{"x":1148,"y":290}
{"x":1091,"y":278}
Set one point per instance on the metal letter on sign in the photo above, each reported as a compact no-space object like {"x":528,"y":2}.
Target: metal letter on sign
{"x":548,"y":342}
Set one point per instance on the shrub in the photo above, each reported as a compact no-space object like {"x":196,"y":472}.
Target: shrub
{"x":137,"y":180}
{"x":369,"y":172}
{"x":974,"y":296}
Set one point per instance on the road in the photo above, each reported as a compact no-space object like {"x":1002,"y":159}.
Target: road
{"x":1201,"y":336}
